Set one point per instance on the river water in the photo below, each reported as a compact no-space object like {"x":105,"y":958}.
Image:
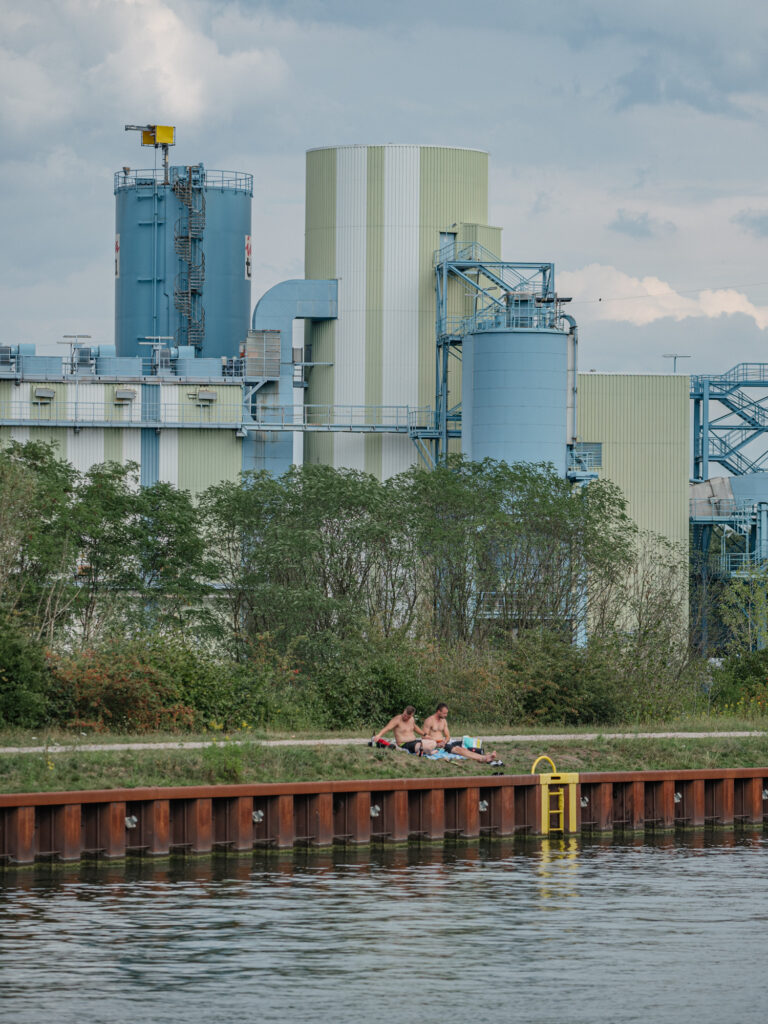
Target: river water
{"x":556,"y":931}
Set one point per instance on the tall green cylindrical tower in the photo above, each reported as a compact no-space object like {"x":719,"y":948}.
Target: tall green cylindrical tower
{"x":375,"y":215}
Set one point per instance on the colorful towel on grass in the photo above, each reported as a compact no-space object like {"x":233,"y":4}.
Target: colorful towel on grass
{"x":443,"y":755}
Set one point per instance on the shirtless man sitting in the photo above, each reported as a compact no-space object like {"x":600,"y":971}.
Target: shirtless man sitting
{"x":404,"y":727}
{"x":436,"y":728}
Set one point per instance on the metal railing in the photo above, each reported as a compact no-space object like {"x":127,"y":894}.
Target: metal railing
{"x":226,"y":411}
{"x":740,"y":562}
{"x":63,"y":369}
{"x":755,"y":373}
{"x":130,"y":413}
{"x":237,"y":181}
{"x":358,"y":418}
{"x":712,"y":508}
{"x":521,"y":317}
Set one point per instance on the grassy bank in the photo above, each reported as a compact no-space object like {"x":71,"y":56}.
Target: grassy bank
{"x":253,"y":762}
{"x":55,"y":736}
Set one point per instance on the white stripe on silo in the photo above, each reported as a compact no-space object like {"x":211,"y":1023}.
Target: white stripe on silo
{"x":400,"y":296}
{"x":90,"y":400}
{"x":132,"y":448}
{"x":349,"y":351}
{"x":85,"y":448}
{"x":169,"y":457}
{"x":173,"y":404}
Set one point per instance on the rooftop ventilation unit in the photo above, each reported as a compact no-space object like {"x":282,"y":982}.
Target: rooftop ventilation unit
{"x":44,"y":394}
{"x":123,"y":395}
{"x":206,"y":397}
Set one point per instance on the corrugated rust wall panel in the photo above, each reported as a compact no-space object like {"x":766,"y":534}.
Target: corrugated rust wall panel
{"x":154,"y":822}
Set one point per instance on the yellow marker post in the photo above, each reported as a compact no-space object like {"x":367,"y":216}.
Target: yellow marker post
{"x":558,"y":786}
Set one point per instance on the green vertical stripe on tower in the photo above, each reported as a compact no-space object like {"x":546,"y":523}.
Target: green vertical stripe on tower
{"x":374,"y":319}
{"x":320,"y":264}
{"x":207,"y":456}
{"x":113,"y":444}
{"x":454,"y":190}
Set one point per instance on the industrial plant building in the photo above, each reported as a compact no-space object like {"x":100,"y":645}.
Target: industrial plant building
{"x":420,"y":339}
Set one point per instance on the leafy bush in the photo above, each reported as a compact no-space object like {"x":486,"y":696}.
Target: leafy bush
{"x":359,"y":682}
{"x":24,"y":679}
{"x":472,"y":681}
{"x":560,"y":683}
{"x":742,"y":682}
{"x":117,"y":686}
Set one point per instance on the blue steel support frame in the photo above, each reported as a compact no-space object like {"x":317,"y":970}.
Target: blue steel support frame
{"x":730,"y":422}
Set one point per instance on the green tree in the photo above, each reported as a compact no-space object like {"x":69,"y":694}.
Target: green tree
{"x":40,"y":549}
{"x":744,"y":610}
{"x":101,"y":523}
{"x":24,"y":678}
{"x":169,"y":556}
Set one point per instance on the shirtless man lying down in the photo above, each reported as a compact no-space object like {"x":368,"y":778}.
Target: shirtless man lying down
{"x":404,"y":727}
{"x":436,"y":728}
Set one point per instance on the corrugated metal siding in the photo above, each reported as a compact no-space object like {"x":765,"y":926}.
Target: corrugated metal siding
{"x":180,"y":403}
{"x":45,"y":435}
{"x":121,"y":411}
{"x":643,"y":422}
{"x":400,"y":295}
{"x":484,"y":234}
{"x":374,"y":323}
{"x":149,"y":458}
{"x":113,"y":445}
{"x":85,"y":448}
{"x":412,"y":193}
{"x":349,"y":348}
{"x":150,"y":401}
{"x":206,"y":457}
{"x":132,"y":445}
{"x":320,"y":213}
{"x":454,"y":190}
{"x":90,"y":397}
{"x":168,"y":457}
{"x":30,"y":408}
{"x":7,"y":388}
{"x":320,"y":263}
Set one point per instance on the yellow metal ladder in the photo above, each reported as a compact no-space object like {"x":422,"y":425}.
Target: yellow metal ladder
{"x":557,"y":787}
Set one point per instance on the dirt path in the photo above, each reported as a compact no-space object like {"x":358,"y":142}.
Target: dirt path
{"x":511,"y":738}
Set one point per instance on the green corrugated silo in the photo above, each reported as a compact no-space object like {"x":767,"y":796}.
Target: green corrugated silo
{"x":375,"y":215}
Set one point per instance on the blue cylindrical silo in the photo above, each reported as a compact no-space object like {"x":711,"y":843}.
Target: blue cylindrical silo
{"x":514,"y":395}
{"x":182,"y":259}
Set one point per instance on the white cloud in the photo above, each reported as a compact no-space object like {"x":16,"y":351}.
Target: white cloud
{"x":68,"y":60}
{"x":602,"y":292}
{"x":163,"y":58}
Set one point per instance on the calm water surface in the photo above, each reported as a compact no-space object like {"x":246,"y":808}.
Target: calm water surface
{"x":675,"y":930}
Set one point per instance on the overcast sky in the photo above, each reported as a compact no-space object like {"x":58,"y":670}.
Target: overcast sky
{"x":628,"y":144}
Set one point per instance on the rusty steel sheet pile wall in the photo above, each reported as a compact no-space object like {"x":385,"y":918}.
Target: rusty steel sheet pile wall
{"x":156,"y":822}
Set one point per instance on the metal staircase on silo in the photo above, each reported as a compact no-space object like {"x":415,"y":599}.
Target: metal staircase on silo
{"x":188,"y":237}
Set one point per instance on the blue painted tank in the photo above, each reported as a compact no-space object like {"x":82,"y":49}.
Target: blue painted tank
{"x":182,"y":259}
{"x":514,"y":395}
